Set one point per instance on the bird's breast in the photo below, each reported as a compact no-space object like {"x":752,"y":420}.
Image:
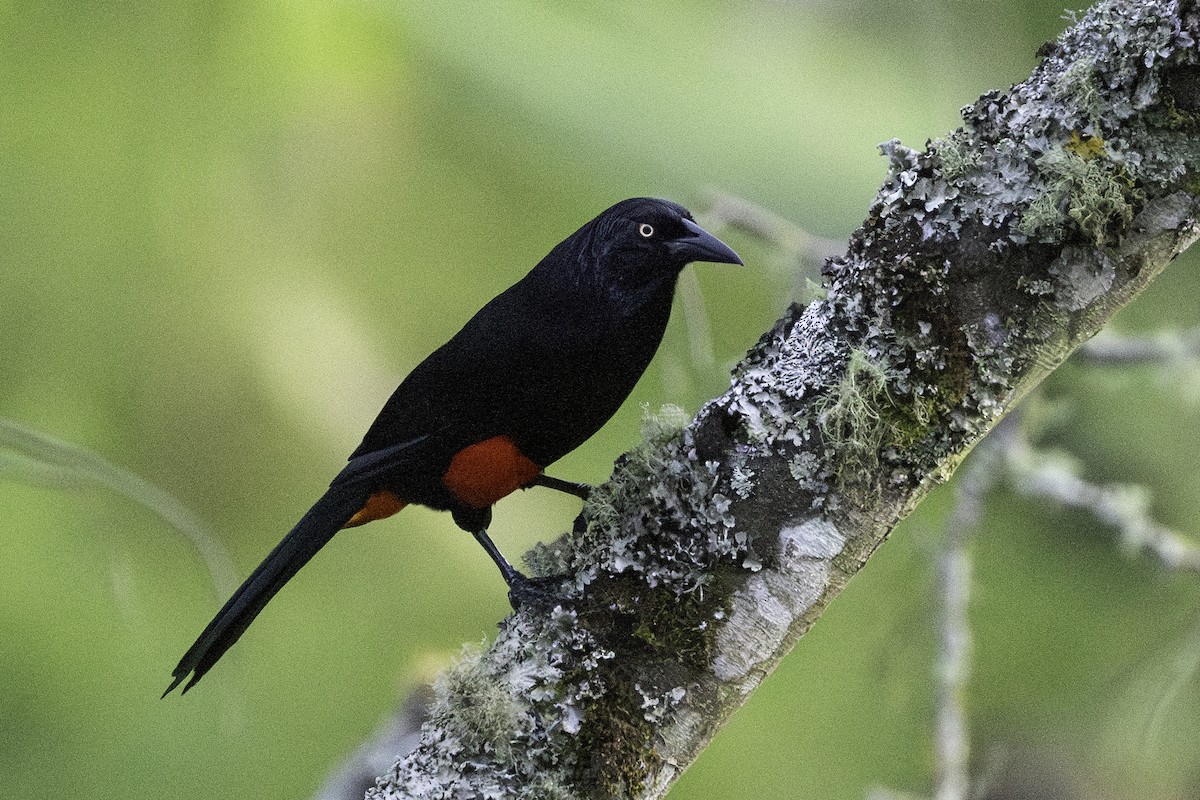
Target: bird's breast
{"x":486,"y":471}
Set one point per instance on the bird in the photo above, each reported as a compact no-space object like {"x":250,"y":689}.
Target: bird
{"x":529,"y":378}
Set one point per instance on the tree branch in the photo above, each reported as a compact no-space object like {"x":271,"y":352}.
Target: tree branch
{"x":984,"y":261}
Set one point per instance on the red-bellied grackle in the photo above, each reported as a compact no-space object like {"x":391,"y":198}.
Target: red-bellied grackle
{"x":536,"y":372}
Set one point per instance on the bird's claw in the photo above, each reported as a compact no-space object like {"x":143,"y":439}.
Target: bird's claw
{"x":540,"y":592}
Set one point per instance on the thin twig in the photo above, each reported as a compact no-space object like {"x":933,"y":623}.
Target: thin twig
{"x":1166,"y":347}
{"x":731,"y":211}
{"x":1055,"y":476}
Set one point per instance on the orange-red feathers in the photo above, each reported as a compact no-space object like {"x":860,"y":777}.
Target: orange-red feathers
{"x":481,"y":474}
{"x":379,"y":505}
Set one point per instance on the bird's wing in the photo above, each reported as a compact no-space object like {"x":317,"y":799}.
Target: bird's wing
{"x":369,"y":466}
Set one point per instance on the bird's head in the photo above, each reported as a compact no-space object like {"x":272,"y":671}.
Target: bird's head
{"x":657,"y":235}
{"x":633,"y":252}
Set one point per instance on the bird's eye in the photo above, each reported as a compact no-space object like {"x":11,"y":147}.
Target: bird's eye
{"x":646,"y":230}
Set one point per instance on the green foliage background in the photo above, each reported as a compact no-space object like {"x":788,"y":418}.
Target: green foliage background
{"x":227,"y":229}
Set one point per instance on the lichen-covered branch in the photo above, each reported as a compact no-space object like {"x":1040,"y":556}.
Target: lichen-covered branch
{"x":984,"y":261}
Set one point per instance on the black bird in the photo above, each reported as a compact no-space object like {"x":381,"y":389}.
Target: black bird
{"x":531,"y":376}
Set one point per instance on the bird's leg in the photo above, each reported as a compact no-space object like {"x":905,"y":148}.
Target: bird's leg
{"x":522,"y":590}
{"x":511,"y":575}
{"x":580,"y":490}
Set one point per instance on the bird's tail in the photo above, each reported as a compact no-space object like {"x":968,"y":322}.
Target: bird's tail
{"x":311,"y":533}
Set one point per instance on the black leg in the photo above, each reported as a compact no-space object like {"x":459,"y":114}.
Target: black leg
{"x":580,"y":490}
{"x":521,"y":590}
{"x":511,"y":575}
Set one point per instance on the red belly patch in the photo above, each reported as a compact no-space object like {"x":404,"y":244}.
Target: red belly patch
{"x":481,"y":474}
{"x":379,"y":505}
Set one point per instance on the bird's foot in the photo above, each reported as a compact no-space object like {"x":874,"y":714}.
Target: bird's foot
{"x":541,"y":592}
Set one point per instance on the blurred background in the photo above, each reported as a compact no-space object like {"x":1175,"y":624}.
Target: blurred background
{"x":228,"y":229}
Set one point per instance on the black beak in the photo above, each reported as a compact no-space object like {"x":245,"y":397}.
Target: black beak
{"x":700,"y":245}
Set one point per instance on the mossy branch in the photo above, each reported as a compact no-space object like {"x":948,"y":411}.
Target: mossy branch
{"x":984,"y":261}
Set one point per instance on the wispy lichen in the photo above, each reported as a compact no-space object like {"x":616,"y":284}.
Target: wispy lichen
{"x":1085,"y":190}
{"x":955,"y":156}
{"x":475,"y":708}
{"x":1077,"y":89}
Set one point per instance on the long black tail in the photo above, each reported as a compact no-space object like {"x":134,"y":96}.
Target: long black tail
{"x":311,"y":533}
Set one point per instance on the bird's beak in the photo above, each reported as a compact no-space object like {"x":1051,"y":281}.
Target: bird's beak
{"x":700,"y":245}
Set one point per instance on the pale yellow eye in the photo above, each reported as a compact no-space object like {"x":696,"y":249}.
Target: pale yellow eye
{"x":646,"y":230}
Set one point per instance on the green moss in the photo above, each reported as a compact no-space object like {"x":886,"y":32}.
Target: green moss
{"x":614,"y":746}
{"x":683,"y":626}
{"x":1191,"y":183}
{"x":617,"y":740}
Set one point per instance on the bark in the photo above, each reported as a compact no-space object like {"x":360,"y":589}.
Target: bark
{"x":984,"y":261}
